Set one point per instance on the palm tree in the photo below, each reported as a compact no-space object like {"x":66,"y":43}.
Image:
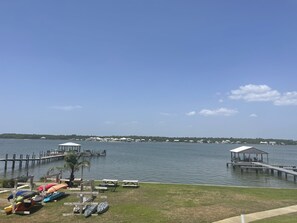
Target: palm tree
{"x":73,"y":163}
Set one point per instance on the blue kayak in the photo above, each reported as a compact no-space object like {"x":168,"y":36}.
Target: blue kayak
{"x":53,"y":196}
{"x":25,"y":195}
{"x":19,"y":193}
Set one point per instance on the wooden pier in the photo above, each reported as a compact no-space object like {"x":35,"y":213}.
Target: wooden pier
{"x":279,"y":169}
{"x":250,"y":158}
{"x":27,"y":159}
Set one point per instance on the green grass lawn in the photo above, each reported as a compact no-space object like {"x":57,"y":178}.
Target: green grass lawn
{"x":289,"y":218}
{"x":168,"y":203}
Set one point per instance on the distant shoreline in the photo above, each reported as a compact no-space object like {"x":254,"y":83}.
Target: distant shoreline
{"x":134,"y":138}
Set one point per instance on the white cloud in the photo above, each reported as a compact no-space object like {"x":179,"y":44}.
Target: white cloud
{"x":218,"y":112}
{"x":264,"y":93}
{"x":253,"y":115}
{"x":288,"y":98}
{"x":191,"y":113}
{"x":221,"y":100}
{"x":67,"y":107}
{"x":253,"y":92}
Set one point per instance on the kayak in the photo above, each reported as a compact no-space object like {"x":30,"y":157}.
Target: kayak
{"x":53,"y":196}
{"x":56,"y":188}
{"x":20,"y":206}
{"x":38,"y":198}
{"x":25,"y":195}
{"x":25,"y":205}
{"x":8,"y":209}
{"x":19,"y":193}
{"x":76,"y":208}
{"x":102,"y":207}
{"x":46,"y":187}
{"x":90,"y":209}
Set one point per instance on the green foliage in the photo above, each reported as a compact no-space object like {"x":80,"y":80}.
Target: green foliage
{"x":73,"y":164}
{"x":7,"y":183}
{"x":152,"y":138}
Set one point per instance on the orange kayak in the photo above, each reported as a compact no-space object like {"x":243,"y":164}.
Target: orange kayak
{"x":56,"y":188}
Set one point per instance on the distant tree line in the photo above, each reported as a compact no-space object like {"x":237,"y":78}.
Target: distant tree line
{"x":154,"y":138}
{"x":40,"y":136}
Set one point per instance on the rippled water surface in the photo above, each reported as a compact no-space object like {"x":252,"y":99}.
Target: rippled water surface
{"x":188,"y":163}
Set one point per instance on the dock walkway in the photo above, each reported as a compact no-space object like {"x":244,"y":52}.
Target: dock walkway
{"x":280,"y":170}
{"x":42,"y":158}
{"x":32,"y":158}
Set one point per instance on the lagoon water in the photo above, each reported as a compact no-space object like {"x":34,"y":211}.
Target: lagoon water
{"x":187,"y":163}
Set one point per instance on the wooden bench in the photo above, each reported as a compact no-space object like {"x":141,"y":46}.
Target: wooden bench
{"x":130,"y":183}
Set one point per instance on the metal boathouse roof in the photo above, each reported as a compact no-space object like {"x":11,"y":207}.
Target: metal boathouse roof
{"x":247,"y":150}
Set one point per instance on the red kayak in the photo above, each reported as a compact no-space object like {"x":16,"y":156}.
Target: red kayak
{"x":25,"y":205}
{"x":20,"y":206}
{"x":46,"y":187}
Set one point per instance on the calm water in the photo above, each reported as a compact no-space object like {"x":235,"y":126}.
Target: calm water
{"x":159,"y":162}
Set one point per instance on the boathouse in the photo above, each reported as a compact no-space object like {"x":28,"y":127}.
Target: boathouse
{"x":69,"y":147}
{"x":248,"y":154}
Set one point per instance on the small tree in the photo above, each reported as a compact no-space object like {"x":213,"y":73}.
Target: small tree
{"x":73,"y":163}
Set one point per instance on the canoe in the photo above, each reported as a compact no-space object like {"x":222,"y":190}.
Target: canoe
{"x":56,"y":188}
{"x":90,"y":209}
{"x":18,"y":193}
{"x":46,"y":187}
{"x":53,"y":196}
{"x":102,"y":207}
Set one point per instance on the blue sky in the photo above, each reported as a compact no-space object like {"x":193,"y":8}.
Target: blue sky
{"x":167,"y":68}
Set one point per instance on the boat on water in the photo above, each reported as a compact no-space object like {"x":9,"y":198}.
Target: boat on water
{"x":102,"y":207}
{"x":90,"y":209}
{"x":53,"y":196}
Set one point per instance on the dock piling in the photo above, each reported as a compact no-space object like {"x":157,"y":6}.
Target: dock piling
{"x":5,"y":162}
{"x":21,"y":161}
{"x":13,"y":161}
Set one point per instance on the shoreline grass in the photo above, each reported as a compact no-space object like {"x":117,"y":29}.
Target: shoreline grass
{"x":163,"y":202}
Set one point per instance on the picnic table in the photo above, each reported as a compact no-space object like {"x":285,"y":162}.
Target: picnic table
{"x":112,"y":183}
{"x":130,"y":183}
